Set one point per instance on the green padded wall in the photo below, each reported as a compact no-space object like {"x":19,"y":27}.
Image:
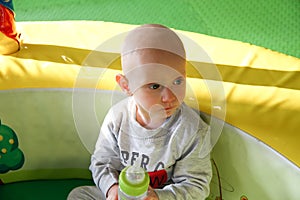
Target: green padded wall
{"x":274,"y":24}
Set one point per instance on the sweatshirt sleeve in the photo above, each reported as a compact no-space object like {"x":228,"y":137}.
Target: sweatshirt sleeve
{"x":192,"y":173}
{"x":105,"y":161}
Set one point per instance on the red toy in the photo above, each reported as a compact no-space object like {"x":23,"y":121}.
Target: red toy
{"x":9,"y":38}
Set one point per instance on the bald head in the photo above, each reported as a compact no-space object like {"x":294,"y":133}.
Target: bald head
{"x":153,"y":36}
{"x":152,"y":41}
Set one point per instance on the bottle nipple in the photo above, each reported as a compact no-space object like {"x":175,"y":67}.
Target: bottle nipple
{"x":135,"y":175}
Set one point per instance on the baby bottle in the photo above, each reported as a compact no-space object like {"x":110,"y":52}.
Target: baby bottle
{"x":133,"y":183}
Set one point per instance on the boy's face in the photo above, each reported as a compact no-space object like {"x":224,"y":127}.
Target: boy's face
{"x":157,"y":80}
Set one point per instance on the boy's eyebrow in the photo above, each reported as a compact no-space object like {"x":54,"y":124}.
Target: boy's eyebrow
{"x":180,"y":77}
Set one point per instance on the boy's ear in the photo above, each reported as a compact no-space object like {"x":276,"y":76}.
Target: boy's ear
{"x":123,"y":83}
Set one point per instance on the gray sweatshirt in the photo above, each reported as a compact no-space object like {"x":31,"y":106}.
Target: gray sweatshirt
{"x":172,"y":154}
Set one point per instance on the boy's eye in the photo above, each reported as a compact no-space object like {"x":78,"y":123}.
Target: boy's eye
{"x":178,"y":81}
{"x":154,"y":86}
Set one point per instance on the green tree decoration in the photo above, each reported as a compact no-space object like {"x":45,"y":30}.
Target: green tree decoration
{"x":11,"y":157}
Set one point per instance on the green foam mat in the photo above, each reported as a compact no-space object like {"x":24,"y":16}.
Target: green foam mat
{"x":42,"y":189}
{"x":274,"y":24}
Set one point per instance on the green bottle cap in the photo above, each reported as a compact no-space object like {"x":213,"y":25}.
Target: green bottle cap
{"x":134,"y":181}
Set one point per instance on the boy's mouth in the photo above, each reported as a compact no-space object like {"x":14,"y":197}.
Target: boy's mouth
{"x":169,"y":108}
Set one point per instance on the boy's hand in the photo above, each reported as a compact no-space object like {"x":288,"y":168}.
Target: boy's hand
{"x":151,"y":195}
{"x":112,"y":193}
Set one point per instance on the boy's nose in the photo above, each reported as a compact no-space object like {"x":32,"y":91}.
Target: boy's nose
{"x":167,"y":95}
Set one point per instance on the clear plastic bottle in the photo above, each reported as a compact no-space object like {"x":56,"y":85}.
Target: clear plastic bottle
{"x":133,"y":183}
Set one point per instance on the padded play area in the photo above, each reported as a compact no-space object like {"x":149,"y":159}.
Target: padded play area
{"x":242,"y":75}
